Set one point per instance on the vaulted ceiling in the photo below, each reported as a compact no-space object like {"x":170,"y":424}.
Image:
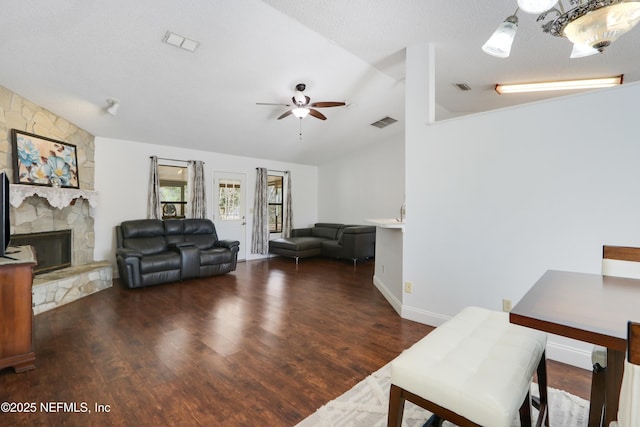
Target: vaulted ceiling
{"x":70,"y":56}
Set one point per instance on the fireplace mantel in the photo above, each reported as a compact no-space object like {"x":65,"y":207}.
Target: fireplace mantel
{"x":57,"y":197}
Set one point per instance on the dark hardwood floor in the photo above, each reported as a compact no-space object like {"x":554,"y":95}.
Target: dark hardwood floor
{"x":266,"y":345}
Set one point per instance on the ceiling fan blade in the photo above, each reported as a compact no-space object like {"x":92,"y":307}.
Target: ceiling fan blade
{"x":270,"y":103}
{"x":285,"y":114}
{"x":317,"y":114}
{"x":327,"y":104}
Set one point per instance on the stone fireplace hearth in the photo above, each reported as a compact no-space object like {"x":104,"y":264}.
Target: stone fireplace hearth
{"x":45,"y":209}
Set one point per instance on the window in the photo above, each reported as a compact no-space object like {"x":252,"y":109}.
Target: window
{"x":274,"y":196}
{"x":229,"y":199}
{"x":173,"y":191}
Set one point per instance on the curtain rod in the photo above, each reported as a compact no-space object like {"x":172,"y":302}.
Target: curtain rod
{"x":172,"y":160}
{"x":274,"y":170}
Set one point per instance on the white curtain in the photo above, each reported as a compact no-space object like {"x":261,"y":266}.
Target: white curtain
{"x":260,"y":234}
{"x":154,"y":210}
{"x":196,"y":198}
{"x":288,"y":211}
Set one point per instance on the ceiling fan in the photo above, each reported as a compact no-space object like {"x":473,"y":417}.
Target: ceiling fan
{"x":302,"y":105}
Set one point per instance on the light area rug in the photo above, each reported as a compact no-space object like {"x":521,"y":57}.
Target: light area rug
{"x":366,"y":405}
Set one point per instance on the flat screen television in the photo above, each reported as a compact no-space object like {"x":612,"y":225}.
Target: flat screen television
{"x":5,"y":220}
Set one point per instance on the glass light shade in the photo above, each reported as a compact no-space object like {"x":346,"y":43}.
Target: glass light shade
{"x":300,"y":112}
{"x":582,"y":50}
{"x":536,"y":6}
{"x":603,"y":26}
{"x":499,"y":44}
{"x":299,"y":97}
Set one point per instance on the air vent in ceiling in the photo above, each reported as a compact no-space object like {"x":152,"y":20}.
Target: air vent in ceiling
{"x":383,"y":123}
{"x":462,"y":86}
{"x":180,"y":41}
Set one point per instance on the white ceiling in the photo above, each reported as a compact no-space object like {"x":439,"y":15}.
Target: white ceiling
{"x":71,"y":55}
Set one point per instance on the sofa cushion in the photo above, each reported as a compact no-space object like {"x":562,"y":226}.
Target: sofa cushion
{"x":160,"y":262}
{"x":142,"y":228}
{"x":326,"y":230}
{"x":200,"y":232}
{"x":144,"y":235}
{"x":297,"y":243}
{"x":215,"y":256}
{"x":174,"y":230}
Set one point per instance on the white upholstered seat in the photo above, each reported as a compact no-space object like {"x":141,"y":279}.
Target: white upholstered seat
{"x":476,"y":365}
{"x":629,"y":405}
{"x":619,"y":261}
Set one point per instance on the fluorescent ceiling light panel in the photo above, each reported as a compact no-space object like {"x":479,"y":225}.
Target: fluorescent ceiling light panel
{"x":559,"y":85}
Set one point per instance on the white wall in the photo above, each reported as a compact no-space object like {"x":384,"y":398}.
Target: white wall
{"x":365,"y":184}
{"x":496,"y":199}
{"x":122,"y":176}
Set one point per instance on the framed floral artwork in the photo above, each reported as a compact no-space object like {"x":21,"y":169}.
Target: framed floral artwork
{"x":39,"y":160}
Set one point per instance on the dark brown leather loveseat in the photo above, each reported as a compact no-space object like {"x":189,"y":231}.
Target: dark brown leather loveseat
{"x":153,"y":251}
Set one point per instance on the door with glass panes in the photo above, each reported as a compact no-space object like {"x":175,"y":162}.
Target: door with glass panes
{"x":229,"y":213}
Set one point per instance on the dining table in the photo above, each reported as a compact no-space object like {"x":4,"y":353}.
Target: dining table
{"x":593,"y":308}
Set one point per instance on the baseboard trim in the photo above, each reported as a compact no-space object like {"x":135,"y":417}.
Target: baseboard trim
{"x":391,"y":299}
{"x":555,"y":351}
{"x":569,"y":355}
{"x":423,"y":316}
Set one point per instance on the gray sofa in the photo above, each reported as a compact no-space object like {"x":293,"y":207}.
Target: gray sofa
{"x":341,"y":241}
{"x":153,"y":251}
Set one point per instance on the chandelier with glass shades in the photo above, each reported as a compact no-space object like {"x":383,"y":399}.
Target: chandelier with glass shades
{"x":591,"y":25}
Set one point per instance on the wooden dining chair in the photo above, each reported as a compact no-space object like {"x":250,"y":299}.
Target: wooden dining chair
{"x":619,"y":261}
{"x":628,"y":409}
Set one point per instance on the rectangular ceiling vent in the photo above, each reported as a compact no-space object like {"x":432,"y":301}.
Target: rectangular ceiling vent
{"x":180,"y":41}
{"x":383,"y":123}
{"x":462,"y":86}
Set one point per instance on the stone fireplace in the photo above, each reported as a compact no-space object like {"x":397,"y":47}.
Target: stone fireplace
{"x":41,"y":212}
{"x":39,"y":209}
{"x":52,"y":249}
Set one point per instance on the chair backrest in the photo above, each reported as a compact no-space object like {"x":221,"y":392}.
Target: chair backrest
{"x":633,"y":343}
{"x":628,"y":409}
{"x":621,"y":261}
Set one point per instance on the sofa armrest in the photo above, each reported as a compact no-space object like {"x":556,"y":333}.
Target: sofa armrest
{"x":229,"y":244}
{"x":128,"y":253}
{"x":128,"y":261}
{"x":359,"y":241}
{"x":359,"y":229}
{"x":301,"y":232}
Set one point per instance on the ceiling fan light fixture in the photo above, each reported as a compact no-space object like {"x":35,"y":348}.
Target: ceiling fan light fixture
{"x":299,"y":98}
{"x":559,"y":85}
{"x":536,"y":6}
{"x":300,"y":112}
{"x":499,"y":44}
{"x":601,"y":27}
{"x":595,"y":23}
{"x":112,"y":106}
{"x":582,"y":50}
